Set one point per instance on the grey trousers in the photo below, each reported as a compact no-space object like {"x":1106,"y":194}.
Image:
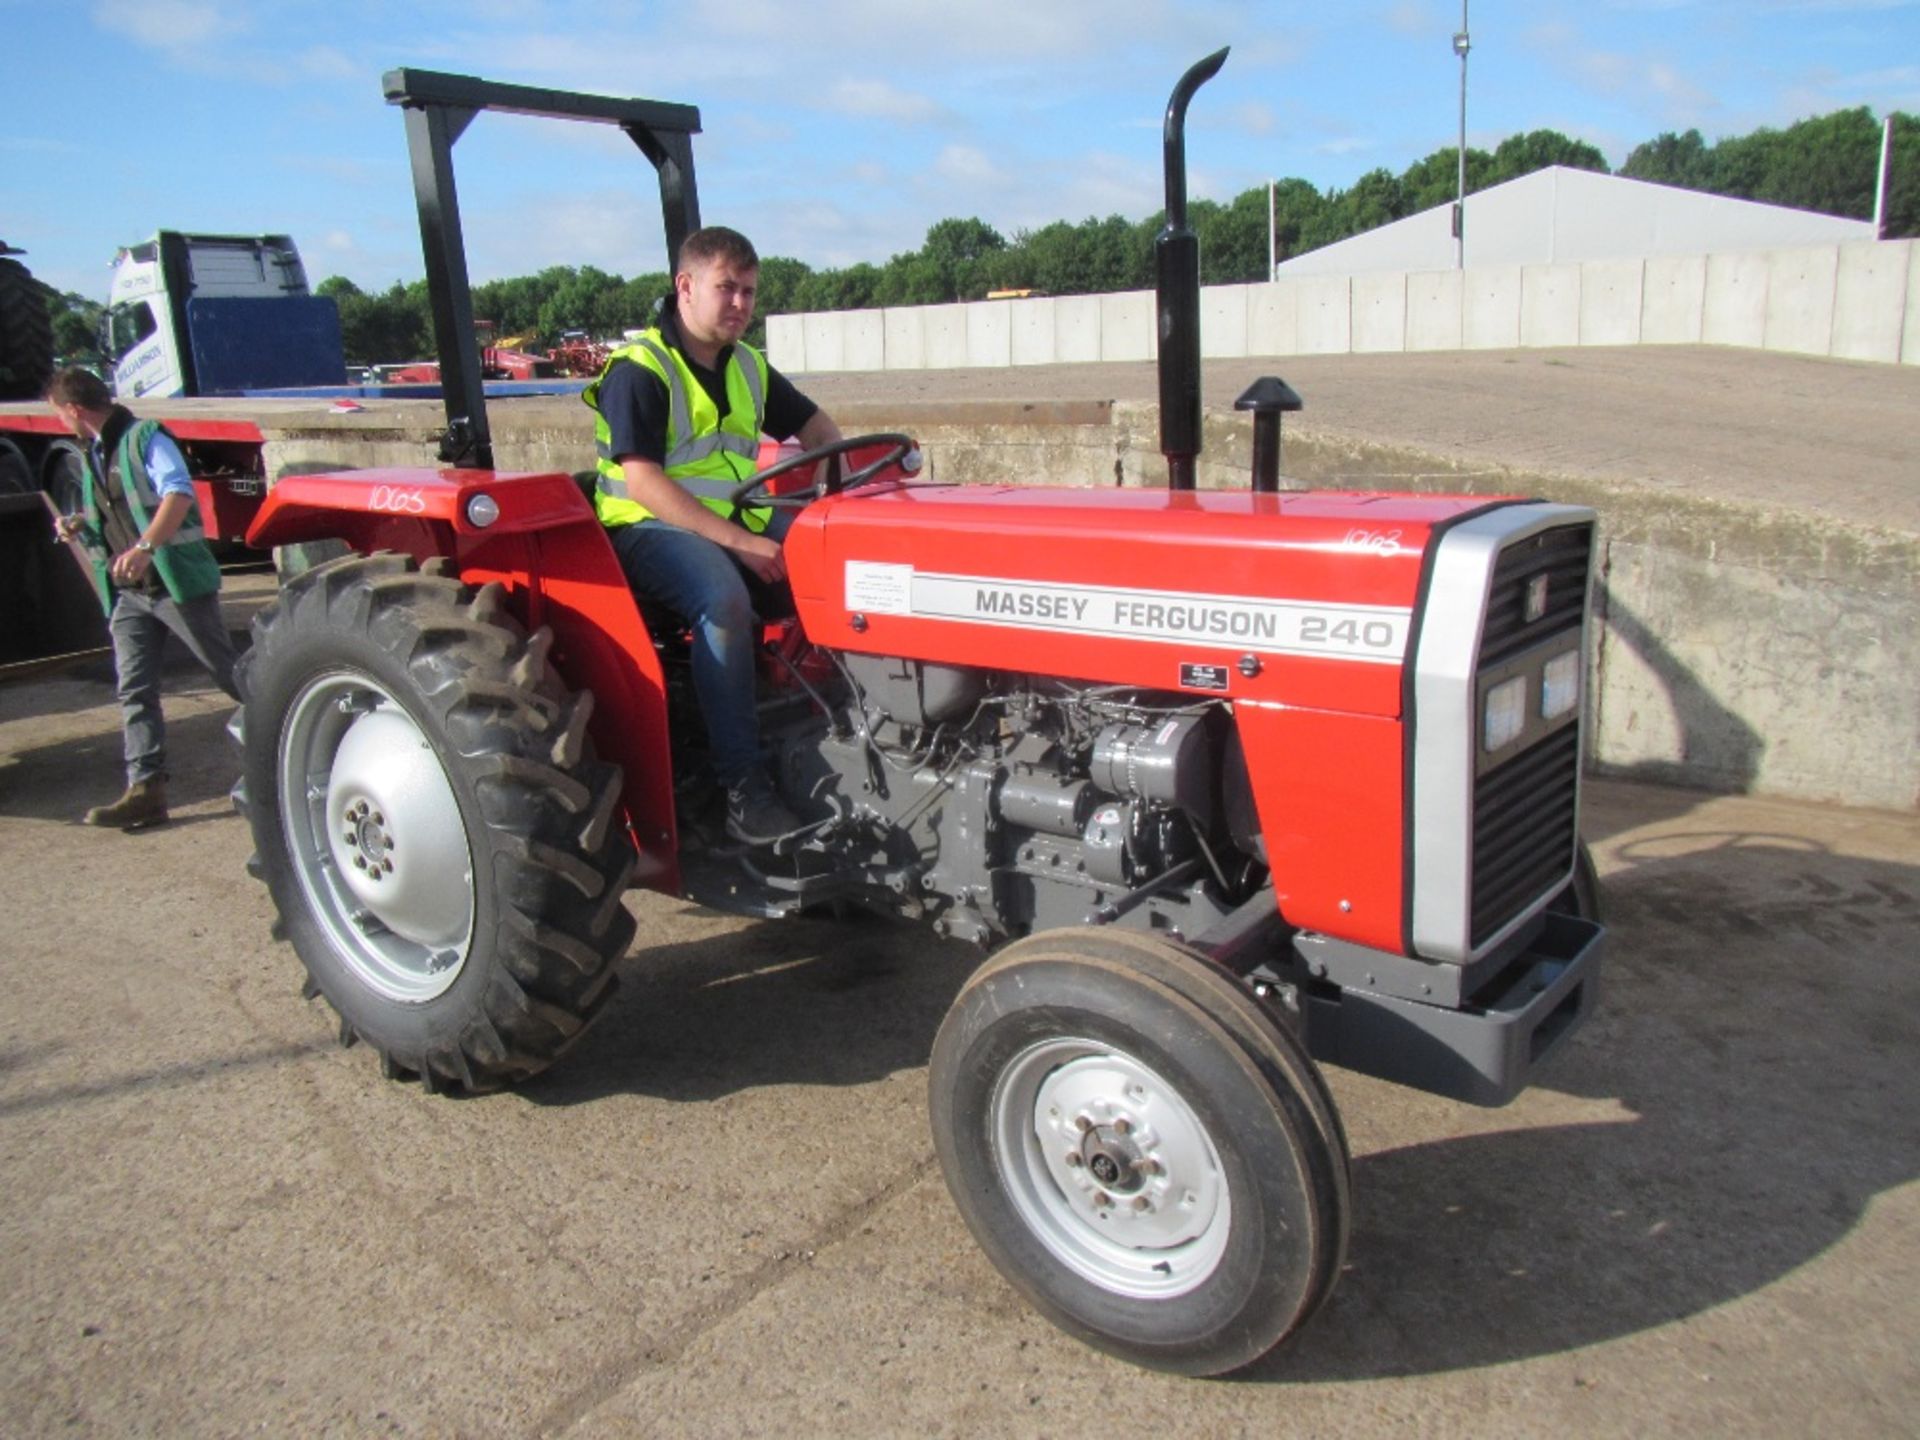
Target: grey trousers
{"x":139,"y":627}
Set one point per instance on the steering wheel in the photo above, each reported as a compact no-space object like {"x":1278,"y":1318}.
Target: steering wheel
{"x":899,"y":447}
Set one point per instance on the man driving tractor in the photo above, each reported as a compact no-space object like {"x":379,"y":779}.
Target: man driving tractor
{"x":678,"y":416}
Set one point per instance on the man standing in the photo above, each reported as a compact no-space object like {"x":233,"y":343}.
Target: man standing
{"x":678,"y":417}
{"x":141,"y":528}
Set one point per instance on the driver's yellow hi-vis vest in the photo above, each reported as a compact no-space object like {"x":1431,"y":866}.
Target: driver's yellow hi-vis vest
{"x":707,"y":453}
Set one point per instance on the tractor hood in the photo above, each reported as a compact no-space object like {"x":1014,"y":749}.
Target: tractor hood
{"x":1298,"y":599}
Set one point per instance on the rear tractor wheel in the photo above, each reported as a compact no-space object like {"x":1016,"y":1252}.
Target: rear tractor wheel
{"x":445,"y":852}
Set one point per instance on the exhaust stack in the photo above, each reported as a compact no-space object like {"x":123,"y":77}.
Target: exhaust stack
{"x":1176,"y":255}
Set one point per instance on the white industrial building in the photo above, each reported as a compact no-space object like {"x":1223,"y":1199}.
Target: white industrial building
{"x":1564,"y":216}
{"x":1559,"y":257}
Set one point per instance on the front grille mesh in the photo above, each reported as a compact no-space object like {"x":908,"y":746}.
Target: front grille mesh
{"x":1525,"y":809}
{"x":1523,"y":829}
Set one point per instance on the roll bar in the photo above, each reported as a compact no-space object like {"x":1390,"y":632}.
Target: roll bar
{"x":439,"y":107}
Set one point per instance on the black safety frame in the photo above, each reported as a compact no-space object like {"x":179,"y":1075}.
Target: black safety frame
{"x":439,"y":107}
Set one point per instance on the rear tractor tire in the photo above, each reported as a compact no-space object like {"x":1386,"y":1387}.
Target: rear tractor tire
{"x":446,"y":854}
{"x":1141,"y":1149}
{"x":26,"y":334}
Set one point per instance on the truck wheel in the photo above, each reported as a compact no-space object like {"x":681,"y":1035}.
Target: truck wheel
{"x":63,"y":475}
{"x":16,"y":475}
{"x":26,"y":334}
{"x":1140,"y":1149}
{"x":444,"y":851}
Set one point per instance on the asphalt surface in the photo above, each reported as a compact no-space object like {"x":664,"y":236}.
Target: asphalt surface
{"x":720,"y":1214}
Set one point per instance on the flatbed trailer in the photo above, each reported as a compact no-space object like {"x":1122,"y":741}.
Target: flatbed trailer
{"x":53,"y":616}
{"x":225,"y":440}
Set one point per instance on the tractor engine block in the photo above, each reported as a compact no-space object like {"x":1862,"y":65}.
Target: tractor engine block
{"x":994,"y":803}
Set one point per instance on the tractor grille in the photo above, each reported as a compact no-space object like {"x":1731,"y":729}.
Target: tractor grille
{"x":1525,"y":808}
{"x":1562,"y":555}
{"x":1523,"y":829}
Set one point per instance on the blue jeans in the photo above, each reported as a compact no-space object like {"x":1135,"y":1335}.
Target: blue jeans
{"x":139,"y":626}
{"x":703,"y":585}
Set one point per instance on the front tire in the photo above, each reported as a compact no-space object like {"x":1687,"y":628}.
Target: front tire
{"x":1140,"y":1149}
{"x":445,"y":853}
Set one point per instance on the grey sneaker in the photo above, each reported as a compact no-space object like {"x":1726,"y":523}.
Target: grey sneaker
{"x":755,"y":814}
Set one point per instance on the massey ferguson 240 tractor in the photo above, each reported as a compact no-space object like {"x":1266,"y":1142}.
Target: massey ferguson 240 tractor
{"x":1225,"y":780}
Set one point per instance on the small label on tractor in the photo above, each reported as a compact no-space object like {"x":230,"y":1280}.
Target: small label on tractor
{"x":879,"y":589}
{"x":1203,"y":677}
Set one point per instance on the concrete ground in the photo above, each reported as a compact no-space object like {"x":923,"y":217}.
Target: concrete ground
{"x":720,"y":1215}
{"x":1789,"y":432}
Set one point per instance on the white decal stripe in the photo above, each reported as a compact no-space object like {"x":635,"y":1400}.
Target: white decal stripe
{"x":1370,"y":633}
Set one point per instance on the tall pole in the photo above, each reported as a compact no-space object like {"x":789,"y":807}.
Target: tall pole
{"x":1273,"y":249}
{"x":1880,"y":185}
{"x":1460,"y":47}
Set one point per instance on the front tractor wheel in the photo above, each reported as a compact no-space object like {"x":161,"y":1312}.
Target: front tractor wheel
{"x":444,"y":850}
{"x":1140,"y":1149}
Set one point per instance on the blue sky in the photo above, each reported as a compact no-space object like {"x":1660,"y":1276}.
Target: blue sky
{"x":839,"y":130}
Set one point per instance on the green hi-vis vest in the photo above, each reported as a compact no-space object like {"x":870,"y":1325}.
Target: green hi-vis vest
{"x":707,"y":453}
{"x":185,"y":563}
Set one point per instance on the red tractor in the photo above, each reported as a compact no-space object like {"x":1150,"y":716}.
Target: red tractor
{"x":1245,"y":778}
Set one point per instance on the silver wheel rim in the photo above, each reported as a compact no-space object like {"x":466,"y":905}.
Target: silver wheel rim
{"x":376,"y":838}
{"x":1110,"y":1169}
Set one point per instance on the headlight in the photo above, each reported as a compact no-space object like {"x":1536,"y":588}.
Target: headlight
{"x":1560,"y":685}
{"x":1506,"y":713}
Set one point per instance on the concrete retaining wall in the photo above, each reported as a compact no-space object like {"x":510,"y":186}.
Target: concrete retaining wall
{"x":1734,"y":637}
{"x":1854,"y":301}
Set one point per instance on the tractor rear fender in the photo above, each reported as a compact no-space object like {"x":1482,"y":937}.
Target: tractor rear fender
{"x":537,"y":536}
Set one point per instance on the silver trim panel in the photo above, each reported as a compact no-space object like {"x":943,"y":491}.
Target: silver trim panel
{"x":1446,"y":723}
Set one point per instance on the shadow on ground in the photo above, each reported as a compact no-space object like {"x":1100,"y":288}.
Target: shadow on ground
{"x":801,"y":1002}
{"x":62,"y":779}
{"x":1758,"y":1031}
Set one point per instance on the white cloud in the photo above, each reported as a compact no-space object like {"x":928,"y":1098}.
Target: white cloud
{"x":1255,"y":117}
{"x":1644,"y":80}
{"x":187,"y":31}
{"x":879,"y":100}
{"x":326,"y":62}
{"x":162,"y":24}
{"x":1410,"y":17}
{"x":966,"y":165}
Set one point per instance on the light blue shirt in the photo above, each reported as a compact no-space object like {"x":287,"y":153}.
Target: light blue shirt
{"x":166,"y":466}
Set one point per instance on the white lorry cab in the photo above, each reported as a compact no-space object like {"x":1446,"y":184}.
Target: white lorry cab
{"x":217,"y":315}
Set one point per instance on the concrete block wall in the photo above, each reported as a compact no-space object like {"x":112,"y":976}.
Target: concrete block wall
{"x":1858,"y":300}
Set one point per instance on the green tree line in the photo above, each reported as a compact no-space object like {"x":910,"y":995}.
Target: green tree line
{"x":1829,"y":164}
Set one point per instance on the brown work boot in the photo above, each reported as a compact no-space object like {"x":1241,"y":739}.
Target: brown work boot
{"x":144,"y":804}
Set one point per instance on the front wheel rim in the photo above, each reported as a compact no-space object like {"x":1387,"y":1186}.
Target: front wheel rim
{"x":375,"y":836}
{"x":1110,"y":1168}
